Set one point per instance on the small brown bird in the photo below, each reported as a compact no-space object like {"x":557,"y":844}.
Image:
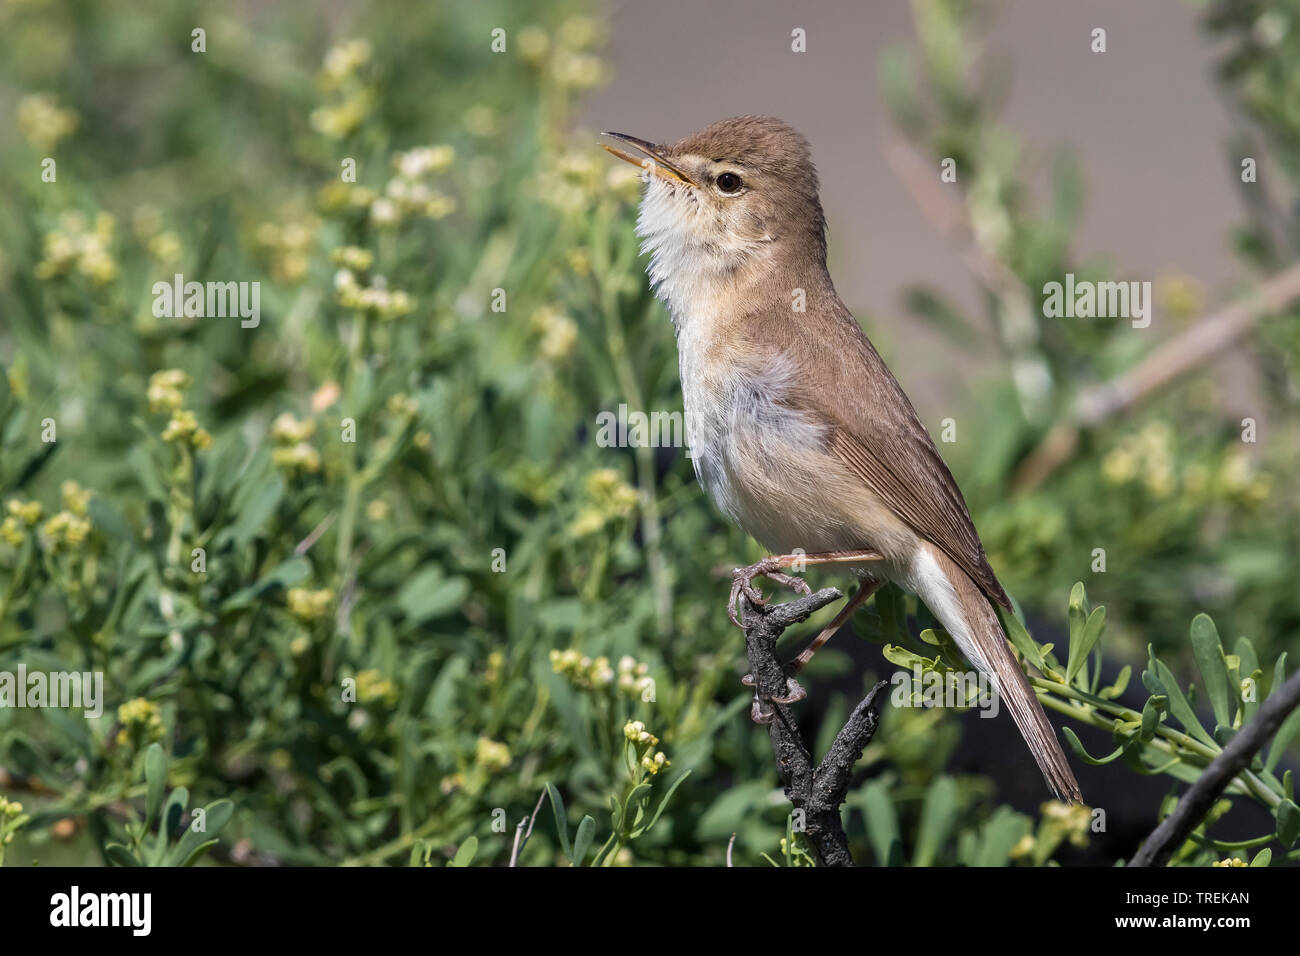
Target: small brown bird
{"x":799,"y":432}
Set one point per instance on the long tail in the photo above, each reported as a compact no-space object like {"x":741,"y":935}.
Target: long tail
{"x":966,"y":614}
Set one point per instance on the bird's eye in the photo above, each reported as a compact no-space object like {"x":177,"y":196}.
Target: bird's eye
{"x":728,"y":184}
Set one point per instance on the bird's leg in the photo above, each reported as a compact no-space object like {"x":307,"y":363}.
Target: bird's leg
{"x":864,"y":591}
{"x":794,"y":690}
{"x":770,"y":567}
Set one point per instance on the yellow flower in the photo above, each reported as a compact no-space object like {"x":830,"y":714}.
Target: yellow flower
{"x":373,"y":686}
{"x":291,"y":430}
{"x":578,"y":71}
{"x":418,"y":162}
{"x":183,"y":428}
{"x":167,"y":390}
{"x":301,"y":456}
{"x":43,"y":122}
{"x":581,"y":33}
{"x":65,"y":527}
{"x":75,"y":498}
{"x":11,"y":531}
{"x":342,"y":61}
{"x":533,"y":44}
{"x":165,"y":247}
{"x":141,"y":722}
{"x":73,"y":246}
{"x":491,"y":755}
{"x":311,"y":605}
{"x":353,"y":257}
{"x":29,"y":512}
{"x":1119,"y":466}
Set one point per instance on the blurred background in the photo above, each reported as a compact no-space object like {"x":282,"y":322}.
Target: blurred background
{"x":360,"y":578}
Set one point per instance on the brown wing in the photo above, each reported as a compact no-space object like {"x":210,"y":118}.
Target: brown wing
{"x":877,"y":433}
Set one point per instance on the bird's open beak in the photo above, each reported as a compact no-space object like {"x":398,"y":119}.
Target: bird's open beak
{"x":650,"y":159}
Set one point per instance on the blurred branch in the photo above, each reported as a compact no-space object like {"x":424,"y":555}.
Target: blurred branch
{"x":1201,"y":342}
{"x":1201,"y":796}
{"x":816,"y":789}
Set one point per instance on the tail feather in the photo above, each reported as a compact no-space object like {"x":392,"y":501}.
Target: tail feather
{"x":967,"y":615}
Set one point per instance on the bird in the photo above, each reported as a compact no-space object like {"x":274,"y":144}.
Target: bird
{"x":799,"y":432}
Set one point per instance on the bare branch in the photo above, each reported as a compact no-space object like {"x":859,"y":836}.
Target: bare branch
{"x":1165,"y":840}
{"x":816,"y":789}
{"x":1202,"y":342}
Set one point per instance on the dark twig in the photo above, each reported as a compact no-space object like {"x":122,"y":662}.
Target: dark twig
{"x":817,"y":790}
{"x":1165,"y":840}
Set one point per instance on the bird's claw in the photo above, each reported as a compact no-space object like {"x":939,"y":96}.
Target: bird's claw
{"x":742,"y":583}
{"x":761,"y":711}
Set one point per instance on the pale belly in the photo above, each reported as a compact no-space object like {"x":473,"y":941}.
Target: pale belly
{"x":766,"y":468}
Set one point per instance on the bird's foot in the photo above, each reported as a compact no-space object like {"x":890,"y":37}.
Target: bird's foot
{"x":761,"y":711}
{"x":742,"y":583}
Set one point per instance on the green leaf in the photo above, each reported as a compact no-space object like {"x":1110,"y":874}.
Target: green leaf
{"x":1208,"y":650}
{"x":1178,"y":705}
{"x":938,"y":816}
{"x":663,"y":804}
{"x":1248,"y":670}
{"x":1290,"y":727}
{"x":120,"y":855}
{"x":198,"y":853}
{"x":1263,"y":858}
{"x":430,"y":594}
{"x":465,"y":852}
{"x":215,"y":816}
{"x":1121,"y":683}
{"x":283,"y":576}
{"x":999,"y":836}
{"x":561,"y":821}
{"x":1083,"y":755}
{"x":155,"y":776}
{"x":1288,"y":822}
{"x":582,"y":839}
{"x":1021,"y":639}
{"x":1080,"y":648}
{"x":1151,"y":711}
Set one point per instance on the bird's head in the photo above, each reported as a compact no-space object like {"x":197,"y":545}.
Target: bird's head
{"x":728,"y":196}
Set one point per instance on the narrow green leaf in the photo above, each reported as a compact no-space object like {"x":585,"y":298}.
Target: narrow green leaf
{"x":1021,"y":639}
{"x":664,"y":802}
{"x":561,"y":821}
{"x":1178,"y":705}
{"x":1208,"y":650}
{"x":1082,"y":646}
{"x":1077,"y":746}
{"x":938,"y":815}
{"x":882,"y":824}
{"x":1282,"y":739}
{"x":582,"y":839}
{"x":215,"y":816}
{"x":1288,"y":822}
{"x":155,"y":776}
